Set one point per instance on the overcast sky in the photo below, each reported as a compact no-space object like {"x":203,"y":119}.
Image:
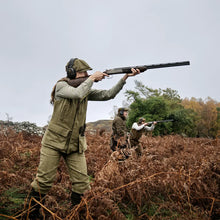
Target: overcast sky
{"x":39,"y":37}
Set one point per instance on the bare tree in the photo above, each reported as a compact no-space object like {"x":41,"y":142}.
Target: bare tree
{"x":113,"y":112}
{"x":8,"y":117}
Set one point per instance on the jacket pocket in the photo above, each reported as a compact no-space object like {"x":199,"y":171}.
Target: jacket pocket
{"x":82,"y":144}
{"x":56,"y":136}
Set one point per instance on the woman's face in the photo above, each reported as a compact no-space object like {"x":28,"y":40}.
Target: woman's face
{"x":81,"y":74}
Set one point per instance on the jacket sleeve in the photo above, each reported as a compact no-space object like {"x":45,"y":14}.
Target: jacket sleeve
{"x":151,"y":128}
{"x":64,"y":90}
{"x":137,"y":127}
{"x":103,"y":95}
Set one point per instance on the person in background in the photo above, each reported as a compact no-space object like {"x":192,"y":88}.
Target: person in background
{"x":136,"y":132}
{"x":119,"y":130}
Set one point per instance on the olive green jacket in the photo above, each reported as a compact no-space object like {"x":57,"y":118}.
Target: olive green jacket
{"x":65,"y":131}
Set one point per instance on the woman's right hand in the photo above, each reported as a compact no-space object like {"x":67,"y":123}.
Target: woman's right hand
{"x":98,"y":76}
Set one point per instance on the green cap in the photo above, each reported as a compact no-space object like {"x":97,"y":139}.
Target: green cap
{"x":141,"y":119}
{"x":81,"y":66}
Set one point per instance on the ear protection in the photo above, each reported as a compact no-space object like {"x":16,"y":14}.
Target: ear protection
{"x":121,"y":112}
{"x":71,"y":72}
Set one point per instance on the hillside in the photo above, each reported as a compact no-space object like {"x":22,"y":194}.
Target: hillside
{"x":99,"y":125}
{"x":32,"y":128}
{"x":175,"y":178}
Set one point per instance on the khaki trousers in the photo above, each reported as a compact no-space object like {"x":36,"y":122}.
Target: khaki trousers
{"x":46,"y":173}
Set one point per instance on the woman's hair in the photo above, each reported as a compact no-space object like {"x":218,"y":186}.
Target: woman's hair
{"x":52,"y":96}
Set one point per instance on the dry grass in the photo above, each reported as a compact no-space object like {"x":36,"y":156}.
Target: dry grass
{"x":175,"y":178}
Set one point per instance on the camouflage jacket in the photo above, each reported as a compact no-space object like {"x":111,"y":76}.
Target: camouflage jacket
{"x":119,"y":128}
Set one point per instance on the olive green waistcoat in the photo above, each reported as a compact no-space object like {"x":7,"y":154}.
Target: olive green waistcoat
{"x":64,"y":131}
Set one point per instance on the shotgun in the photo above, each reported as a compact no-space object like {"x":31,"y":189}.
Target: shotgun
{"x":76,"y":82}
